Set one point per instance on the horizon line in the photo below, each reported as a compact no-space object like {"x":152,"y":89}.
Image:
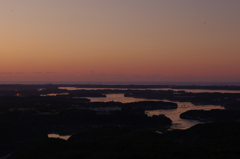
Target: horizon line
{"x":121,"y":82}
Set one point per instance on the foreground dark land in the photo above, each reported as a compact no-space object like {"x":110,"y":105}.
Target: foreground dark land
{"x":114,"y":129}
{"x":213,"y":140}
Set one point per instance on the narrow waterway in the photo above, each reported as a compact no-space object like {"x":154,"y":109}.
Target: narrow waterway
{"x":173,"y":114}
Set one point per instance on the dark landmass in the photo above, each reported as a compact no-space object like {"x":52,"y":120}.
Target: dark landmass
{"x":212,"y":140}
{"x":234,"y":105}
{"x":85,"y":93}
{"x":212,"y":115}
{"x":151,"y":105}
{"x":114,"y":129}
{"x":24,"y":119}
{"x":222,"y":99}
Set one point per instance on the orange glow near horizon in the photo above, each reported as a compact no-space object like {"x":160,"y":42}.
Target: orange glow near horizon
{"x":120,"y":41}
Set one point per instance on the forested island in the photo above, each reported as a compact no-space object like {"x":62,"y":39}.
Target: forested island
{"x":28,"y":113}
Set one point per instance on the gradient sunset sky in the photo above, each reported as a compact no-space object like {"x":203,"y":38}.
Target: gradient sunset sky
{"x":120,"y":40}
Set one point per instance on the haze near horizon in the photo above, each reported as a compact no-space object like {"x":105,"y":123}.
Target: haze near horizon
{"x":127,"y":40}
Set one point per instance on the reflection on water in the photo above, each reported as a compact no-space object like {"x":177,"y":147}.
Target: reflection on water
{"x":54,"y":94}
{"x":173,"y":114}
{"x":118,"y":98}
{"x":65,"y":137}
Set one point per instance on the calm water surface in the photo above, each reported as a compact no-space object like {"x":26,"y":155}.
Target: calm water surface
{"x":173,"y":114}
{"x":117,"y":98}
{"x":65,"y":137}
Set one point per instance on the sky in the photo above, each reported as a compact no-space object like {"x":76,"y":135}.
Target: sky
{"x":120,"y":40}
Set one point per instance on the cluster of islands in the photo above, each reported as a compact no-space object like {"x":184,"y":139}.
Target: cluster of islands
{"x":114,"y":129}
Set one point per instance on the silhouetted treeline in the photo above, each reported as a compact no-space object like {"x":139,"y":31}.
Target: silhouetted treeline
{"x":212,"y":115}
{"x":212,"y":140}
{"x":28,"y":113}
{"x":182,"y":96}
{"x":25,"y":119}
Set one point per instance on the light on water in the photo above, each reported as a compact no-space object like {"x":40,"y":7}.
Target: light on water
{"x":118,"y":98}
{"x":173,"y":114}
{"x":65,"y":137}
